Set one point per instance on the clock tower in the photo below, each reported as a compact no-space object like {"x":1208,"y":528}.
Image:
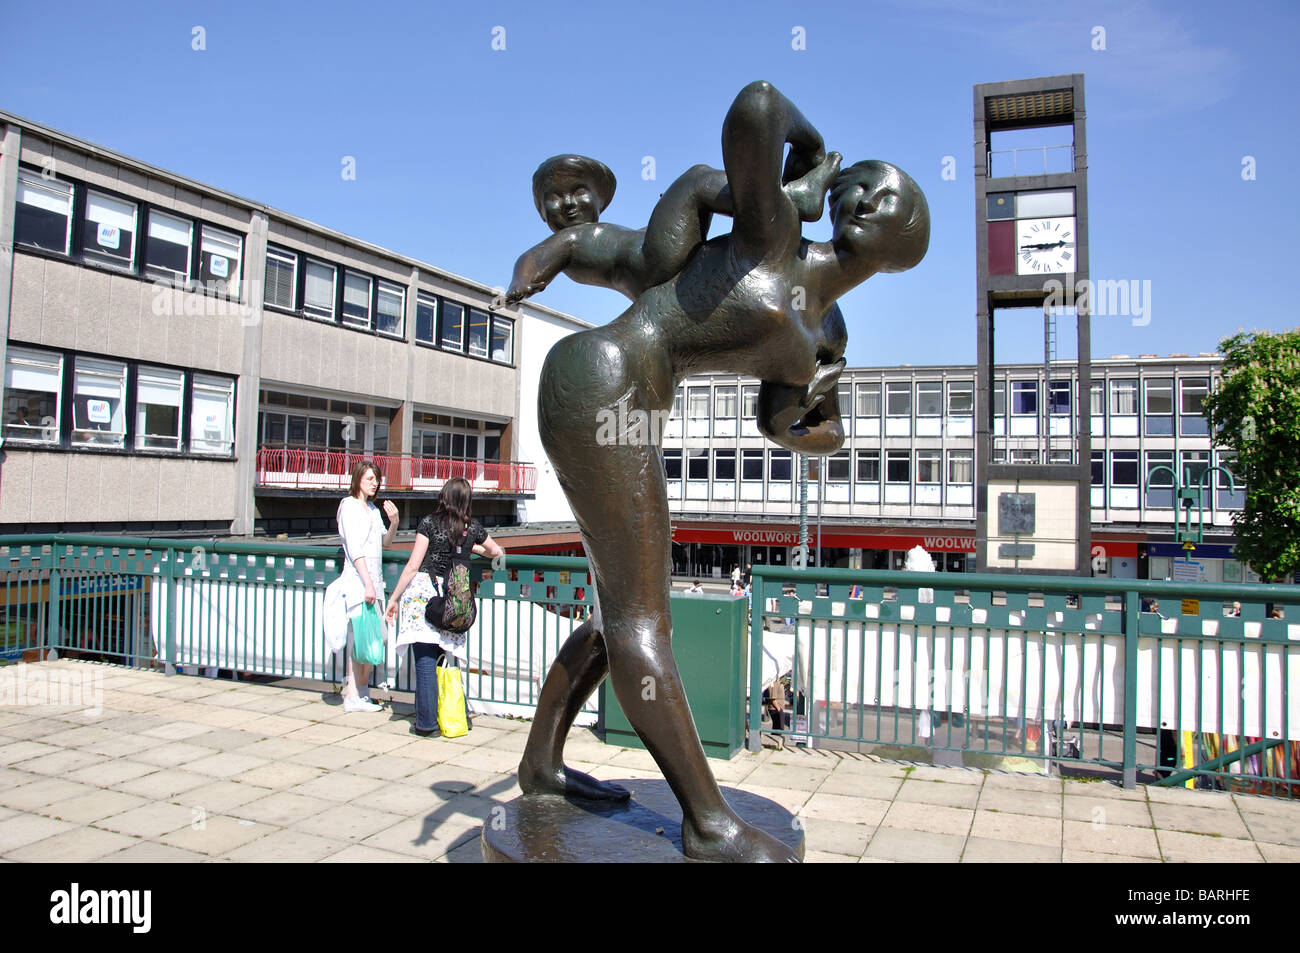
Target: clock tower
{"x":1033,"y":465}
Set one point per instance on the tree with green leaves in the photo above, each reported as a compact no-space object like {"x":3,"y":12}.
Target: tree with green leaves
{"x":1255,"y":413}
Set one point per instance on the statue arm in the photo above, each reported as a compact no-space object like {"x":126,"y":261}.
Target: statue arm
{"x":538,"y":266}
{"x":758,"y":125}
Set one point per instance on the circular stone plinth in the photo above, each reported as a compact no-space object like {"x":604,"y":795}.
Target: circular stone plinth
{"x":539,"y":828}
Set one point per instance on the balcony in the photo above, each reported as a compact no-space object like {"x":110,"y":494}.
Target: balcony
{"x":282,"y":469}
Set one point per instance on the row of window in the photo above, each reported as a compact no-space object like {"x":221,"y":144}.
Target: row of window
{"x":926,"y":398}
{"x":75,"y":219}
{"x":78,"y":400}
{"x":340,"y":426}
{"x":780,"y":466}
{"x":323,"y":291}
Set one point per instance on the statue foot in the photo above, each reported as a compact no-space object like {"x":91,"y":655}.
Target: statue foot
{"x":731,"y":840}
{"x":566,"y":782}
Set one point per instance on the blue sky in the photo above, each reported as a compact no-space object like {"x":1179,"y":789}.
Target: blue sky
{"x":446,"y":130}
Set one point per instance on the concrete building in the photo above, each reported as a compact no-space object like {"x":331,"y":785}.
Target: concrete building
{"x":906,"y":473}
{"x":181,"y":360}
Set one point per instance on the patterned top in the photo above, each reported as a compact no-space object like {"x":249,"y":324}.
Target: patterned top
{"x":439,"y":554}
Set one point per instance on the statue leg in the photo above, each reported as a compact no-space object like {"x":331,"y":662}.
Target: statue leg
{"x":578,"y":669}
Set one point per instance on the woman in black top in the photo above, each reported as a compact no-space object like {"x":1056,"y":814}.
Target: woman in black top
{"x":434,"y":538}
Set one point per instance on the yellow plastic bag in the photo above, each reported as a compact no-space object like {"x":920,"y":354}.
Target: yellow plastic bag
{"x":451,"y":700}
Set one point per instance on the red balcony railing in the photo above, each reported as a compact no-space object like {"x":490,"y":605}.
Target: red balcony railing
{"x":332,"y":469}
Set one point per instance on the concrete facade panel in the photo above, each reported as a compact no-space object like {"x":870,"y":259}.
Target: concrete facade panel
{"x":114,"y":489}
{"x":99,"y":172}
{"x":143,"y":488}
{"x":49,"y":497}
{"x":182,"y":329}
{"x":82,"y":487}
{"x":191,"y":203}
{"x":133,"y":183}
{"x":164,"y":192}
{"x":17,"y":475}
{"x":59,"y":305}
{"x":124,"y":315}
{"x":27,"y":298}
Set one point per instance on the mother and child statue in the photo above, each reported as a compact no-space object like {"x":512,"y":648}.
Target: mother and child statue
{"x":758,"y":301}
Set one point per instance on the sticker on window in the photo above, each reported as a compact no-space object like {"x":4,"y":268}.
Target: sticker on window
{"x":211,"y":428}
{"x":220,"y":266}
{"x":99,"y":412}
{"x":110,"y":236}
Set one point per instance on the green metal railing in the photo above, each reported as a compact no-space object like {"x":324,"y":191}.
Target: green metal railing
{"x":1049,"y":669}
{"x":256,"y":608}
{"x":1032,"y":669}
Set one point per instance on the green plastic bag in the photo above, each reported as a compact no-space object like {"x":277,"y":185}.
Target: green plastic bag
{"x":451,"y":700}
{"x":368,"y":636}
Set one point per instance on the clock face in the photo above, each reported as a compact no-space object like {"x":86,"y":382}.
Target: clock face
{"x":1045,"y":246}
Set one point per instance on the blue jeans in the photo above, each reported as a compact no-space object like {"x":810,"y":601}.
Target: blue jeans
{"x":427,"y":656}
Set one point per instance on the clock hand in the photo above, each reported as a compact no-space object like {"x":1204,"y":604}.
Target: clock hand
{"x":1045,"y":245}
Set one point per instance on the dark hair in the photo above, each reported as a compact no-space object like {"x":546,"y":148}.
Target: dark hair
{"x":913,"y":239}
{"x":573,"y":169}
{"x":453,"y":505}
{"x":360,"y":471}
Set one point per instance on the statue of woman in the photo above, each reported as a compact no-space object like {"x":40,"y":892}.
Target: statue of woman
{"x":758,"y":302}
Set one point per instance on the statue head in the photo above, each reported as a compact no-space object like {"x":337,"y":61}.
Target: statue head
{"x":880,"y":213}
{"x":572,"y":190}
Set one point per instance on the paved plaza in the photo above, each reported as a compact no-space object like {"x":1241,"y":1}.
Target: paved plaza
{"x":195,"y":769}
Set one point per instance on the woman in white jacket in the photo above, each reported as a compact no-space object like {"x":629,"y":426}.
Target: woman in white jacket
{"x":364,"y":540}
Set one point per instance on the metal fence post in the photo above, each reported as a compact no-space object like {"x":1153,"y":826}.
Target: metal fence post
{"x":1132,"y":609}
{"x":755,"y":662}
{"x":52,"y":617}
{"x":169,"y":642}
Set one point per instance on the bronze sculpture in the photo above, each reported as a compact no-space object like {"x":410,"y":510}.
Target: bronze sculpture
{"x":758,"y":301}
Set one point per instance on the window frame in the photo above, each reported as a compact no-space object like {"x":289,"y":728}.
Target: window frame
{"x":390,"y":288}
{"x":39,"y":181}
{"x":313,"y":311}
{"x":40,"y":361}
{"x":283,"y":255}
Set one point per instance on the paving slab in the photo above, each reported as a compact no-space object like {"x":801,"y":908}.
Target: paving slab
{"x":1025,"y":829}
{"x":41,"y":792}
{"x":24,"y":829}
{"x":78,"y":846}
{"x":938,"y":792}
{"x":1107,"y":810}
{"x":1015,"y":801}
{"x":836,"y":837}
{"x":1176,"y":847}
{"x":286,"y":847}
{"x":916,"y":816}
{"x":216,"y":835}
{"x":150,"y":820}
{"x":989,"y":850}
{"x":88,"y":808}
{"x":850,"y":810}
{"x":1111,"y":839}
{"x":148,"y":852}
{"x":911,"y":846}
{"x":361,"y":854}
{"x":348,"y":822}
{"x":108,"y":773}
{"x":281,"y":809}
{"x":1224,"y":820}
{"x":1267,"y":828}
{"x":162,"y":785}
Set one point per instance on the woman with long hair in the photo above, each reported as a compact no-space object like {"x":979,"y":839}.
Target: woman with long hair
{"x":364,"y":539}
{"x":449,"y":526}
